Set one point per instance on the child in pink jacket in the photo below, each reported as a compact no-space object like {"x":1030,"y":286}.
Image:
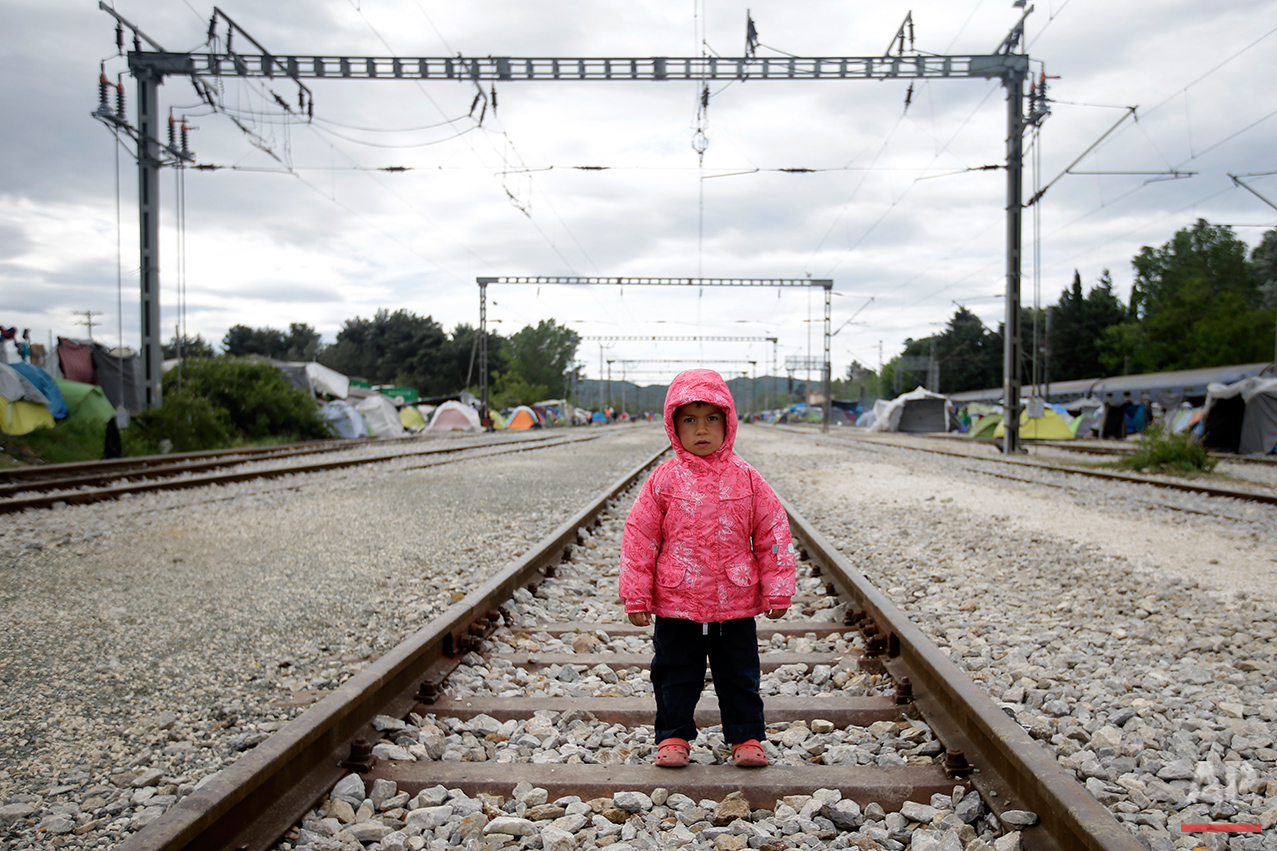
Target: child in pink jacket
{"x":706,"y":549}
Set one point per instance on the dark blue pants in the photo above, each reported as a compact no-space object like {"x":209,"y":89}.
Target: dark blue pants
{"x":678,"y":676}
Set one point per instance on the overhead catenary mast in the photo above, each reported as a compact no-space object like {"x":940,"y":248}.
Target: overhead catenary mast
{"x":150,"y":67}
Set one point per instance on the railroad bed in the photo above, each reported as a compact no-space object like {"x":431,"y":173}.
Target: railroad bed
{"x":544,"y":730}
{"x":1085,"y":604}
{"x":248,"y":804}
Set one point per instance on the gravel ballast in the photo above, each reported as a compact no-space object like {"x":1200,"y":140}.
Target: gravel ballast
{"x":147,"y":643}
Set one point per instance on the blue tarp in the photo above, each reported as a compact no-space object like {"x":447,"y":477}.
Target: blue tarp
{"x":46,"y":385}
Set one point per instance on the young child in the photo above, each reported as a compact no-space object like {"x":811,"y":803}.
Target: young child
{"x":706,"y":548}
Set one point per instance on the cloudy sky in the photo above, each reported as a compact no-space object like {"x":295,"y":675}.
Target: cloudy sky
{"x":396,"y":197}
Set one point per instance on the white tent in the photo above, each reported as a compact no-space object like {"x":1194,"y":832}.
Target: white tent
{"x":381,"y":415}
{"x":919,"y":410}
{"x":454,"y":416}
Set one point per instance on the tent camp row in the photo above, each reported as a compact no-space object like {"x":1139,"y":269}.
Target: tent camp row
{"x":31,"y":398}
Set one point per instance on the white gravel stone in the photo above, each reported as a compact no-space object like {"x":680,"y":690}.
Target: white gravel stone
{"x":1137,"y":643}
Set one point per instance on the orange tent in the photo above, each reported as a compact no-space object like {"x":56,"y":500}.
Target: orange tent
{"x":523,"y":417}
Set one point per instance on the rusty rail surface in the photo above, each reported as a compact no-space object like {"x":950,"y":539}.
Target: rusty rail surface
{"x":99,"y":488}
{"x":253,"y":801}
{"x":1010,"y":769}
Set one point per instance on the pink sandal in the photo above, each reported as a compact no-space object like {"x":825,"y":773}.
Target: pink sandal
{"x":748,"y":754}
{"x":672,"y":752}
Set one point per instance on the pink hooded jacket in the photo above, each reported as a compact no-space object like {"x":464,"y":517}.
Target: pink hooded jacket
{"x":707,"y":539}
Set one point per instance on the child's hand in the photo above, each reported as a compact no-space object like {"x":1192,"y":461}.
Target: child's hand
{"x":776,"y":614}
{"x":640,"y":618}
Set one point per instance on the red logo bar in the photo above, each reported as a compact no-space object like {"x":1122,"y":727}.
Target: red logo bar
{"x":1219,"y":828}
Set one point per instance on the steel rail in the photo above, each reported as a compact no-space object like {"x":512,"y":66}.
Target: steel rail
{"x":1011,"y":770}
{"x":1129,"y":478}
{"x":253,"y":801}
{"x":39,"y":473}
{"x":91,"y":473}
{"x":1129,"y":449}
{"x":84,"y":497}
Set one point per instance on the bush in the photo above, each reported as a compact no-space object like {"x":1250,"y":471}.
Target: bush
{"x":255,"y":396}
{"x":1163,"y":451}
{"x":223,"y":403}
{"x":188,"y":423}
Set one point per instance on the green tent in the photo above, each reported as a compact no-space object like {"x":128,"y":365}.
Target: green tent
{"x":1049,"y":426}
{"x":85,"y":402}
{"x":983,"y":428}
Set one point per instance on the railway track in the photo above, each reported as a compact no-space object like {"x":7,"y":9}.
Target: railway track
{"x":81,"y":484}
{"x":1267,"y":497}
{"x":465,"y":706}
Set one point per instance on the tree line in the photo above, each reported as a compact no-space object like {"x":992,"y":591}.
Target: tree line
{"x":403,"y":349}
{"x":1197,"y":301}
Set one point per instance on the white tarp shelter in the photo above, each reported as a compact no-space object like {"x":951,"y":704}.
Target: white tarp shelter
{"x":345,"y":420}
{"x":381,"y":415}
{"x":919,"y":410}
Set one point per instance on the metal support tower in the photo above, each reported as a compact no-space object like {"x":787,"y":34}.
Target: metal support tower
{"x":825,"y":283}
{"x":150,"y":68}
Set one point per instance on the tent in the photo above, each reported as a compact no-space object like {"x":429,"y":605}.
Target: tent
{"x":917,"y":411}
{"x":380,"y":414}
{"x":454,"y":416}
{"x":23,"y":408}
{"x":598,"y":417}
{"x":498,"y":421}
{"x":85,"y":401}
{"x":986,"y":427}
{"x":558,"y":411}
{"x":523,"y":417}
{"x":866,"y":419}
{"x":315,"y":378}
{"x":411,"y":419}
{"x":1049,"y":426}
{"x":1183,"y":419}
{"x":344,"y":419}
{"x":1241,"y":417}
{"x":46,"y":385}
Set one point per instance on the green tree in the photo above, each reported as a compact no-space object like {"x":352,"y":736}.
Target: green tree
{"x":398,"y":348}
{"x":302,"y":343}
{"x":1194,"y":303}
{"x":241,"y":340}
{"x":970,"y":355}
{"x":189,"y":347}
{"x":541,"y":355}
{"x":1078,"y":324}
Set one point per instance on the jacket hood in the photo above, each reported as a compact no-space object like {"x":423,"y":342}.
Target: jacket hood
{"x":700,"y":385}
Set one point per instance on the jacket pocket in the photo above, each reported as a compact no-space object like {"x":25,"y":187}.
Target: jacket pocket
{"x":669,"y":574}
{"x":742,"y":569}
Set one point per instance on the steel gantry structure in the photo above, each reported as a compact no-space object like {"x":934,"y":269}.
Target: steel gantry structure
{"x":825,"y":283}
{"x":150,"y":67}
{"x":687,"y":338}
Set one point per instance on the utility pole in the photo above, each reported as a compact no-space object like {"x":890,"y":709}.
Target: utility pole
{"x":88,"y":320}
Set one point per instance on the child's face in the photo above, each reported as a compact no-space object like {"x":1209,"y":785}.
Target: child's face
{"x":701,"y":427}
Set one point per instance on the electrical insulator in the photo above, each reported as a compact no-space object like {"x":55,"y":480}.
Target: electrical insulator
{"x":172,"y":133}
{"x":186,"y":150}
{"x":119,"y":36}
{"x":104,"y":100}
{"x":119,"y":98}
